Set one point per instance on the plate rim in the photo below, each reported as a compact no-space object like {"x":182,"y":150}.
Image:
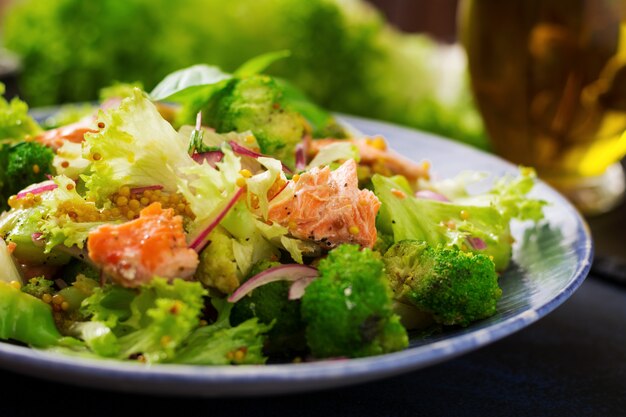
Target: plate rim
{"x":222,"y":381}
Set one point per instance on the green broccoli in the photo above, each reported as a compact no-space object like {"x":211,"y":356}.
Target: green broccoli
{"x":21,"y":165}
{"x":218,"y":267}
{"x":270,"y":303}
{"x":456,"y":287}
{"x":39,"y":286}
{"x":255,"y":104}
{"x":348,"y":309}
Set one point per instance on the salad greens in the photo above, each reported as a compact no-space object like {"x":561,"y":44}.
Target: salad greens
{"x":240,"y":235}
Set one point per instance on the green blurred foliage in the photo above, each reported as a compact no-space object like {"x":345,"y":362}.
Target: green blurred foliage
{"x":344,"y":55}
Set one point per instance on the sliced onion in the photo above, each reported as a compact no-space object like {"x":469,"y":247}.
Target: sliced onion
{"x":431,"y":195}
{"x":199,"y":121}
{"x":291,"y":272}
{"x":211,"y":157}
{"x":300,"y":157}
{"x":139,"y":190}
{"x":296,"y":291}
{"x":243,"y":151}
{"x":38,"y":189}
{"x":37,"y":239}
{"x":477,"y":243}
{"x":202,"y":239}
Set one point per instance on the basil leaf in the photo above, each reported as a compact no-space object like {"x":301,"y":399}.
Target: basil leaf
{"x":188,"y":82}
{"x":259,"y":63}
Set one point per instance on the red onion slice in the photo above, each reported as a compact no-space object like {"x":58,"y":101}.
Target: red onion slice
{"x":300,"y":157}
{"x":38,"y":189}
{"x":139,"y":190}
{"x":431,"y":195}
{"x":243,"y":151}
{"x":291,"y":272}
{"x":37,"y":239}
{"x":211,"y":157}
{"x":202,"y":239}
{"x":296,"y":291}
{"x":477,"y":243}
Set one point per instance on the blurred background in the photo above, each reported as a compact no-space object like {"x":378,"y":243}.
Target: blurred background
{"x":393,"y":60}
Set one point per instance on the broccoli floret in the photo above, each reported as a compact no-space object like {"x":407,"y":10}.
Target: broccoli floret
{"x":254,"y":104}
{"x":218,"y":266}
{"x":456,"y":287}
{"x":21,"y":165}
{"x":39,"y":286}
{"x":270,"y":304}
{"x":348,"y":309}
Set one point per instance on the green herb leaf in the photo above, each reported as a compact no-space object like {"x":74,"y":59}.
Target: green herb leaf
{"x":195,"y":80}
{"x":260,"y":63}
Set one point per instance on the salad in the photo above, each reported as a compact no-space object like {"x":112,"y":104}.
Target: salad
{"x":225,"y":219}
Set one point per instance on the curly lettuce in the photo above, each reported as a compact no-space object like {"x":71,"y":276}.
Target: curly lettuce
{"x":135,"y":147}
{"x":57,"y":225}
{"x":15,"y":122}
{"x":479,"y":224}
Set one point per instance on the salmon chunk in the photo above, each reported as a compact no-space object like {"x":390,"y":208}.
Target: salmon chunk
{"x":375,"y":154}
{"x":328,"y":208}
{"x":154,"y":244}
{"x":74,"y":132}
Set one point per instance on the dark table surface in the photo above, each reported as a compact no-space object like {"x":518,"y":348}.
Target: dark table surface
{"x":570,"y":363}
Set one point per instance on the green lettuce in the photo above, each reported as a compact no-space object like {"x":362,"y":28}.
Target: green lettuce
{"x":442,"y":223}
{"x":15,"y":122}
{"x":153,"y":321}
{"x":59,"y":228}
{"x":335,"y":152}
{"x":136,"y":147}
{"x":222,"y":344}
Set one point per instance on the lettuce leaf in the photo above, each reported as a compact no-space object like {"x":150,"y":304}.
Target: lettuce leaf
{"x":136,"y":147}
{"x":221,"y":344}
{"x":109,"y":305}
{"x":152,"y":322}
{"x":509,"y":194}
{"x":69,"y":160}
{"x":260,"y":184}
{"x":15,"y":122}
{"x":58,"y":227}
{"x":98,"y":337}
{"x":334,"y":152}
{"x":442,"y":223}
{"x":206,"y":188}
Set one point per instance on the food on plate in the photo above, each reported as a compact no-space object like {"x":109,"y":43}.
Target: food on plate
{"x":225,"y":219}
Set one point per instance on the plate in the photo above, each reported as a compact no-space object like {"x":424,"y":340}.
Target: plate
{"x":550,"y":261}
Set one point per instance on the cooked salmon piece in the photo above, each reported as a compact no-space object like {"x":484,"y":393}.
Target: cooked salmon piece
{"x":74,"y":132}
{"x":328,"y":208}
{"x":133,"y":253}
{"x":375,"y":153}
